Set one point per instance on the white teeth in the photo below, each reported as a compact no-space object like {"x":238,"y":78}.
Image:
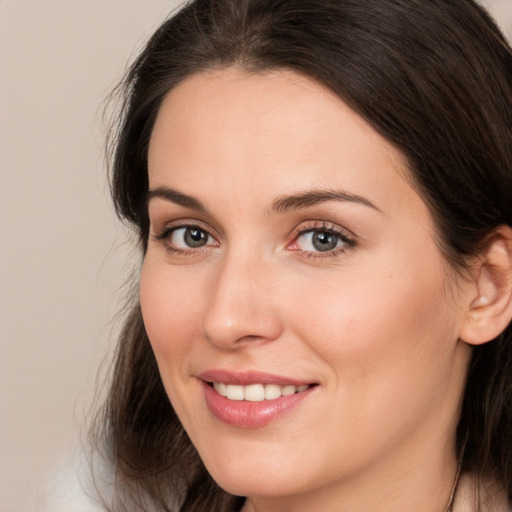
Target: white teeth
{"x":288,"y":390}
{"x":272,"y":391}
{"x":235,"y":392}
{"x":221,"y":388}
{"x":256,"y":392}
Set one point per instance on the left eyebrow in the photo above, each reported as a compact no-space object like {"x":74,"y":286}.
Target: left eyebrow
{"x":313,"y":197}
{"x":176,"y":197}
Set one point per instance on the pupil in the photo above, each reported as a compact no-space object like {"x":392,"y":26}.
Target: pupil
{"x":195,"y":237}
{"x":324,"y":241}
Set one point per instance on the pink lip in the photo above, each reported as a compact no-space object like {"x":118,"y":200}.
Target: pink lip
{"x":250,"y":377}
{"x":245,"y":414}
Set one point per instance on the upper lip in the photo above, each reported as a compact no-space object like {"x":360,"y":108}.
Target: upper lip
{"x":249,"y":377}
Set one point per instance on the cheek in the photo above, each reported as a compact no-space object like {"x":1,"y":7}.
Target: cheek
{"x":170,"y":310}
{"x":382,"y":331}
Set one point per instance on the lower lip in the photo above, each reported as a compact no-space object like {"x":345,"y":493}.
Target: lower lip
{"x":245,"y":414}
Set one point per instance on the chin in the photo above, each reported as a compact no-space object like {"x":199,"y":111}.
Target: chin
{"x":247,"y":486}
{"x":254,"y":479}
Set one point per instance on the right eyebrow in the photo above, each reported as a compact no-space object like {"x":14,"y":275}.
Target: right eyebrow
{"x":169,"y":194}
{"x":313,"y":197}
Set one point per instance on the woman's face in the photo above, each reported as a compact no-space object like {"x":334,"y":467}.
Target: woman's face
{"x":292,"y":266}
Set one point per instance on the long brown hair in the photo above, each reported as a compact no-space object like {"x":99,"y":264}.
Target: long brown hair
{"x":432,"y":77}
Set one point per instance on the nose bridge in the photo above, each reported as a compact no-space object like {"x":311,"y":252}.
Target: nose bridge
{"x":240,"y":305}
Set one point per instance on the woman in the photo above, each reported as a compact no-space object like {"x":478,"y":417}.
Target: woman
{"x":322,"y":193}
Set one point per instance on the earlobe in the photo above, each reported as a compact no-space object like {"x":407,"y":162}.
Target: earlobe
{"x":490,"y":309}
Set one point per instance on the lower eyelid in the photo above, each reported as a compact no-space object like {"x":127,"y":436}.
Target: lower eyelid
{"x":311,"y":255}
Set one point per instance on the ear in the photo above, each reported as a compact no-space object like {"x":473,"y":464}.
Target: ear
{"x":490,"y":307}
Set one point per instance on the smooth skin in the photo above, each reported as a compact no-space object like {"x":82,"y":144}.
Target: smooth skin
{"x":287,"y":239}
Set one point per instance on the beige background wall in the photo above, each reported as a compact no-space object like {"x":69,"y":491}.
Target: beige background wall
{"x":62,"y":258}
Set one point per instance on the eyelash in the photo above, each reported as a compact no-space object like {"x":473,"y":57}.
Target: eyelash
{"x":347,"y":241}
{"x":163,"y":236}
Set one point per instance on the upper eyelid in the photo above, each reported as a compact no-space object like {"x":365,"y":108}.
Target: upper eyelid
{"x":323,"y":225}
{"x":182,"y":223}
{"x":160,"y":214}
{"x":165,"y":213}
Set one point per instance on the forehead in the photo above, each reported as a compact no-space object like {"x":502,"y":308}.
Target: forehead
{"x":268,"y":133}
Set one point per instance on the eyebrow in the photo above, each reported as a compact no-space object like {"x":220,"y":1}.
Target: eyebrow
{"x":175,"y":197}
{"x":280,"y":205}
{"x":313,"y":197}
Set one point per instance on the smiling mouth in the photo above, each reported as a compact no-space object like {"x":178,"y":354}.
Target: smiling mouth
{"x":257,"y":392}
{"x":252,"y":399}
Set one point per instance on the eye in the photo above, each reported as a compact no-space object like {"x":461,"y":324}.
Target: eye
{"x":185,"y":239}
{"x":319,"y":240}
{"x":190,"y":237}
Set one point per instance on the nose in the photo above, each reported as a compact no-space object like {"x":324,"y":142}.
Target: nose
{"x":241,"y":304}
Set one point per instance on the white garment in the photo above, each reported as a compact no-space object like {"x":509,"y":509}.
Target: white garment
{"x":70,"y":489}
